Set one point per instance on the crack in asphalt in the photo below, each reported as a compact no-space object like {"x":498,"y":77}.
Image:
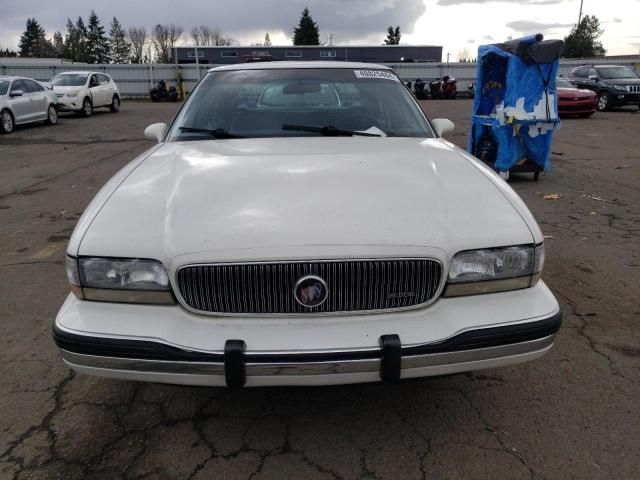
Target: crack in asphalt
{"x":65,"y":173}
{"x":44,"y":425}
{"x":511,"y":451}
{"x":581,"y":330}
{"x":35,"y":262}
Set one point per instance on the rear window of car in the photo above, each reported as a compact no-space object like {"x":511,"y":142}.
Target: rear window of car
{"x":616,"y":72}
{"x":103,"y":79}
{"x":276,"y":95}
{"x":70,"y":80}
{"x":4,"y":87}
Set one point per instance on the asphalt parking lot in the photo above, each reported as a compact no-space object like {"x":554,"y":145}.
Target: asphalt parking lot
{"x":574,"y":413}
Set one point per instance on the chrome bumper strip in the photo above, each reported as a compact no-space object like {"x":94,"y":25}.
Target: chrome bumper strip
{"x":302,"y":368}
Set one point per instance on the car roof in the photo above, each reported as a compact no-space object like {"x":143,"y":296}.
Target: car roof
{"x":299,"y":65}
{"x":13,"y":77}
{"x":606,"y":65}
{"x":81,"y":72}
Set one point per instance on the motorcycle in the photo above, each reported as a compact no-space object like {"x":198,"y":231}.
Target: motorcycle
{"x":418,"y":87}
{"x":471,"y":88}
{"x":445,"y":88}
{"x":160,"y":92}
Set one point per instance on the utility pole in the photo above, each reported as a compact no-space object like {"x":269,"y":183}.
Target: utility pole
{"x":580,"y":14}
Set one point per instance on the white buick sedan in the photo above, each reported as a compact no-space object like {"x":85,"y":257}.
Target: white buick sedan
{"x":303,"y":224}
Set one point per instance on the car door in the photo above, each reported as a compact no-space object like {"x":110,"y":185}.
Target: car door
{"x":94,"y":90}
{"x":37,"y":100}
{"x":106,"y":89}
{"x":577,"y":77}
{"x":19,"y":105}
{"x":591,"y":80}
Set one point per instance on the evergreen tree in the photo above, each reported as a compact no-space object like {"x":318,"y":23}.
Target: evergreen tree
{"x":97,"y":42}
{"x":120,"y":47}
{"x":306,"y":33}
{"x":582,"y":41}
{"x":267,"y":40}
{"x":76,"y":41}
{"x":58,"y":45}
{"x":33,"y":42}
{"x":8,"y":53}
{"x":393,"y":36}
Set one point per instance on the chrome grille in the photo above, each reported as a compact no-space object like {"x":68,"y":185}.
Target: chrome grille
{"x":633,"y":88}
{"x":268,"y":288}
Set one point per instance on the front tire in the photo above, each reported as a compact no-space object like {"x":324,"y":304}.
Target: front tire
{"x":87,"y":107}
{"x":603,"y":102}
{"x":52,"y":115}
{"x":6,"y":122}
{"x":115,"y":104}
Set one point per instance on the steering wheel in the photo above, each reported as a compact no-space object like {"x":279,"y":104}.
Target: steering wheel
{"x":359,"y":121}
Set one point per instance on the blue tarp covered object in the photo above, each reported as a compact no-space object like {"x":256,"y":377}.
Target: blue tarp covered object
{"x":516,"y":104}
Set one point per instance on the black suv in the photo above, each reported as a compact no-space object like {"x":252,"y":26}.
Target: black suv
{"x":615,"y":85}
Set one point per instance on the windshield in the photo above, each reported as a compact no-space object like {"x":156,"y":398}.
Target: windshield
{"x":278,"y":102}
{"x":563,"y":83}
{"x":616,"y":72}
{"x":70,"y":80}
{"x":4,"y":86}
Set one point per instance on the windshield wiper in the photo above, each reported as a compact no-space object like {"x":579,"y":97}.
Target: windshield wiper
{"x":219,"y":133}
{"x":329,"y":131}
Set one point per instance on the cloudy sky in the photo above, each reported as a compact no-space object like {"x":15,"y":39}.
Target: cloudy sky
{"x":455,"y":24}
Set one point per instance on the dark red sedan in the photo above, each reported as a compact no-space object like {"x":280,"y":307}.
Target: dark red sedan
{"x":575,"y":101}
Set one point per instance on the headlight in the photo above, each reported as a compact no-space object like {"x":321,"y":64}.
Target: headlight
{"x":495,"y":270}
{"x":119,"y":280}
{"x":73,"y":93}
{"x":620,"y":87}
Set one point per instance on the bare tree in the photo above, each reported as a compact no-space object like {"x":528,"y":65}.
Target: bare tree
{"x":201,"y":35}
{"x":195,"y":34}
{"x":164,"y":39}
{"x":138,"y":39}
{"x":218,"y":39}
{"x":205,"y":35}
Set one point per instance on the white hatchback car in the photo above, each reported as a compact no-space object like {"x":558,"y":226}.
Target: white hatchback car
{"x":23,"y":100}
{"x":83,"y":91}
{"x":303,"y":223}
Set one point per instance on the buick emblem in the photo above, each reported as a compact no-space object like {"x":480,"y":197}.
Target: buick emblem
{"x":311,"y":291}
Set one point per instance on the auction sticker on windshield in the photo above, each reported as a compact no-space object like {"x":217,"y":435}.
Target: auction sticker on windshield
{"x":381,"y":74}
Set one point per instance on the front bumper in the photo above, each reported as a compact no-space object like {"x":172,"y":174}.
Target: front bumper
{"x":69,"y":104}
{"x":619,"y":98}
{"x":587,"y":105}
{"x":170,"y":345}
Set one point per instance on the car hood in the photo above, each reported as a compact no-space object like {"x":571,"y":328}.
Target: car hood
{"x":223,"y":200}
{"x":622,"y":81}
{"x":574,"y":93}
{"x":65,"y":89}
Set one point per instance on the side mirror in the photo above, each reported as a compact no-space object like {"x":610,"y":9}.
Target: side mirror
{"x":16,"y":93}
{"x":156,"y":132}
{"x":442,"y":126}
